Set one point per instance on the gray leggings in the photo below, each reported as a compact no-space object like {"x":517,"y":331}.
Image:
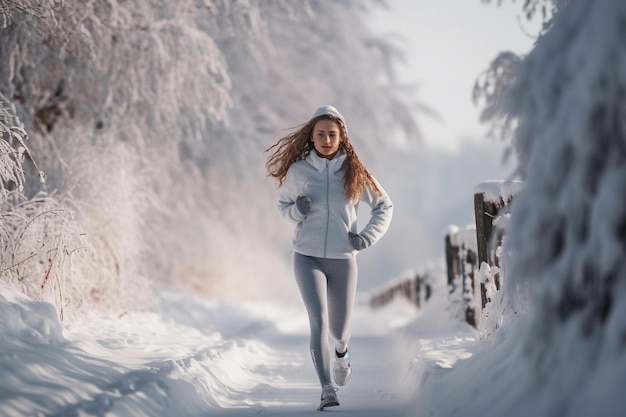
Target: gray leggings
{"x":328,"y":289}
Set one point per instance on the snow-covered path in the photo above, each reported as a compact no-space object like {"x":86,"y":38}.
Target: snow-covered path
{"x":277,"y":342}
{"x":295,"y":392}
{"x":194,"y":356}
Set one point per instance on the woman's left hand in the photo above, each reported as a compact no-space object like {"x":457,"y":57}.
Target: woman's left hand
{"x":357,"y":241}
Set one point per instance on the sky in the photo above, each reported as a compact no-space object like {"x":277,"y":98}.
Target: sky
{"x":449,"y":43}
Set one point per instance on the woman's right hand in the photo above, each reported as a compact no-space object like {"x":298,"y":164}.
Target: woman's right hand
{"x":303,"y":204}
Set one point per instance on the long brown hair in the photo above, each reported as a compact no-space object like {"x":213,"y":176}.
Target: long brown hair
{"x":299,"y":144}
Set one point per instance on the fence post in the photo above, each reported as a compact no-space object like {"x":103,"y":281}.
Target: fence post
{"x":489,"y":198}
{"x":469,"y":281}
{"x":452,"y":261}
{"x":417,"y":286}
{"x":484,"y":213}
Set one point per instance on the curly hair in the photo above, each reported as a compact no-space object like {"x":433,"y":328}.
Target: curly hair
{"x":299,"y":144}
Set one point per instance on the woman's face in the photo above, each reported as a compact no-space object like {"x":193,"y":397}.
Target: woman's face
{"x":326,"y":138}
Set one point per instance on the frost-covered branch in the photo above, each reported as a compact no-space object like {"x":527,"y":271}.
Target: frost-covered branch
{"x":491,"y":92}
{"x":546,"y":9}
{"x":13,"y":149}
{"x":40,"y":9}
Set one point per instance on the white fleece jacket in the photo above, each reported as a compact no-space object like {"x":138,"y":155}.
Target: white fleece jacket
{"x":323,"y":232}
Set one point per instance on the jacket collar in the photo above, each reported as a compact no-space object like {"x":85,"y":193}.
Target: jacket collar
{"x":319,"y":163}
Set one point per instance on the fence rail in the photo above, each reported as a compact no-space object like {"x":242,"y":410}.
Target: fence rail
{"x":414,"y":287}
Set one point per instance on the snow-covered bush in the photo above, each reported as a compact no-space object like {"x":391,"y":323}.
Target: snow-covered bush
{"x":36,"y":235}
{"x":37,"y":241}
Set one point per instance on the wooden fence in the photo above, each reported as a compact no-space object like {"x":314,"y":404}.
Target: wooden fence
{"x":472,"y":250}
{"x":468,"y":252}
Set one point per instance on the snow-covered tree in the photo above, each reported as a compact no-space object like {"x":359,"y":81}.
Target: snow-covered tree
{"x":150,"y":120}
{"x":492,"y":88}
{"x":566,"y":243}
{"x":569,"y":225}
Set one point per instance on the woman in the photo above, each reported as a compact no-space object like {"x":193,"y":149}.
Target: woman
{"x":322,"y":182}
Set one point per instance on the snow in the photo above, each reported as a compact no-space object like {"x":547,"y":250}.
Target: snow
{"x":464,"y":238}
{"x":495,"y":191}
{"x":189,"y":355}
{"x":192,"y":355}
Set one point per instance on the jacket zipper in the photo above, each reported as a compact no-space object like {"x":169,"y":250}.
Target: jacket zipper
{"x":327,"y":207}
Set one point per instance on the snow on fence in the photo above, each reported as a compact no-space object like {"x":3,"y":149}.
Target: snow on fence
{"x":473,"y":254}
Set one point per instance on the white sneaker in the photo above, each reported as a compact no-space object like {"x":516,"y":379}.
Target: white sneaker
{"x":342,"y":370}
{"x":329,"y":397}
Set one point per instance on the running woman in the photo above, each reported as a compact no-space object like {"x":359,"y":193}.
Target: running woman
{"x":322,"y":181}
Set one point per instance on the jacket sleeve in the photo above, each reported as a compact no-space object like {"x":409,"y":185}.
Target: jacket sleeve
{"x":382,"y":211}
{"x":287,"y":199}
